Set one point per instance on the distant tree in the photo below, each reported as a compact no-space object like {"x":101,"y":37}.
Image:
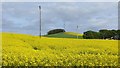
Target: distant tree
{"x":54,"y":31}
{"x":91,"y":35}
{"x":107,"y":33}
{"x":104,"y":33}
{"x":114,"y":34}
{"x":118,"y":34}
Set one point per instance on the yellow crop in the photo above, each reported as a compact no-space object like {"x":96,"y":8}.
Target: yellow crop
{"x":72,"y":33}
{"x":27,"y":50}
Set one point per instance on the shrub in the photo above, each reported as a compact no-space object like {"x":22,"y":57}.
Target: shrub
{"x":54,"y":31}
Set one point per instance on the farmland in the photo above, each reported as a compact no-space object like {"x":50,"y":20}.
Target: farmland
{"x":27,"y":50}
{"x":65,"y":35}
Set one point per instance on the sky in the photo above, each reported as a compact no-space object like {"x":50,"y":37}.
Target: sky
{"x":23,"y":17}
{"x":59,"y":0}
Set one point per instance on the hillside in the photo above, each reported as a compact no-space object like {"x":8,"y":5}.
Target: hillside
{"x":65,"y":35}
{"x":27,"y":50}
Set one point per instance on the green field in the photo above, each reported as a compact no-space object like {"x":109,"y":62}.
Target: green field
{"x":28,"y":50}
{"x":65,"y":35}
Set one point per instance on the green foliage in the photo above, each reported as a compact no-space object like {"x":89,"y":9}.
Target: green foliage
{"x":102,"y":34}
{"x":107,"y":33}
{"x":91,"y":35}
{"x":118,"y":32}
{"x":55,"y":31}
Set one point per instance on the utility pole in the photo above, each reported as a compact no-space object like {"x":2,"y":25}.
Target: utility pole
{"x":77,"y":30}
{"x":64,"y":26}
{"x":40,"y":19}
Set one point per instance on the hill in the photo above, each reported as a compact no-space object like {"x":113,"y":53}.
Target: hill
{"x":65,"y":35}
{"x":27,"y":50}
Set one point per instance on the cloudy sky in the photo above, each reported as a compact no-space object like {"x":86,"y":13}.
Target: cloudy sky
{"x":59,"y":0}
{"x":23,"y":17}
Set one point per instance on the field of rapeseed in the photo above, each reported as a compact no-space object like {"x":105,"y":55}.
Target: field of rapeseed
{"x":27,"y":50}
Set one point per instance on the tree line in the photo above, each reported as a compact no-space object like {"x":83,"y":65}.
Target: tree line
{"x":102,"y":34}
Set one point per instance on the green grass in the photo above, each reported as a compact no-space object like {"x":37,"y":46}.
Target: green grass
{"x":66,"y":35}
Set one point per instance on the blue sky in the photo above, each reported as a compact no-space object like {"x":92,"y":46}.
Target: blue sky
{"x":23,"y":17}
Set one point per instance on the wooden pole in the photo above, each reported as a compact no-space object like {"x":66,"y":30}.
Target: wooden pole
{"x":77,"y":30}
{"x":40,"y":20}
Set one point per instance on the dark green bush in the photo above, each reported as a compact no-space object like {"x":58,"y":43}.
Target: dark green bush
{"x":54,"y":31}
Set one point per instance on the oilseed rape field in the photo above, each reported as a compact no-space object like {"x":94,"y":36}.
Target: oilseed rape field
{"x":27,"y":50}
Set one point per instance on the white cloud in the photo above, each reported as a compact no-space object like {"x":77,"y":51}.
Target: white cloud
{"x":59,"y":0}
{"x":88,"y":15}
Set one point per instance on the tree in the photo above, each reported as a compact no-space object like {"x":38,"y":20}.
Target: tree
{"x":118,"y":34}
{"x":107,"y":33}
{"x":104,"y":33}
{"x":91,"y":35}
{"x":54,"y":31}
